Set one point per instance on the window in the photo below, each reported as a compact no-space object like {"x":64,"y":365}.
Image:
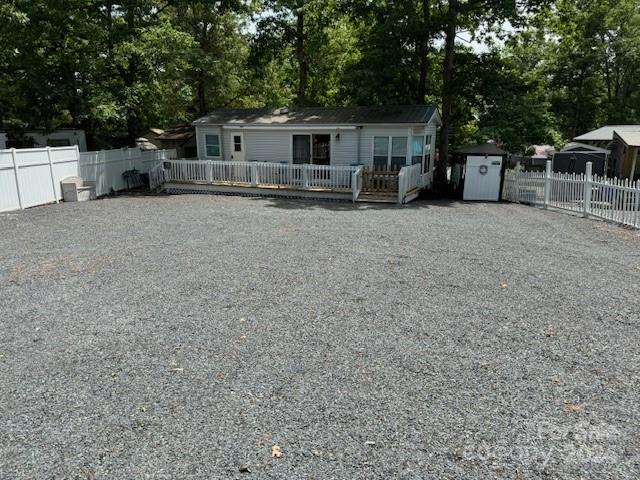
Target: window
{"x":398,"y":152}
{"x":380,"y":152}
{"x":321,"y":150}
{"x":417,"y":150}
{"x":212,"y":143}
{"x":237,"y":143}
{"x":302,"y":149}
{"x":389,"y":152}
{"x":312,"y":148}
{"x":426,"y":166}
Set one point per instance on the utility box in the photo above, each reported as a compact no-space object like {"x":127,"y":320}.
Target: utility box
{"x":75,"y":189}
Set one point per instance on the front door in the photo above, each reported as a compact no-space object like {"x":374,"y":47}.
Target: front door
{"x":237,"y":147}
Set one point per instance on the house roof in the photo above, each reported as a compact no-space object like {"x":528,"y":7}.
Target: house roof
{"x":411,"y":114}
{"x":482,"y":149}
{"x":181,"y":132}
{"x":543,"y":151}
{"x":583,"y":147}
{"x":630,"y":139}
{"x":606,"y":133}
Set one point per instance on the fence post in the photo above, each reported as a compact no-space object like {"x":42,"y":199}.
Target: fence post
{"x":17,"y":177}
{"x":305,"y":176}
{"x":254,"y":174}
{"x":401,"y":187}
{"x":517,"y":182}
{"x":53,"y":179}
{"x":547,"y":184}
{"x":587,"y":189}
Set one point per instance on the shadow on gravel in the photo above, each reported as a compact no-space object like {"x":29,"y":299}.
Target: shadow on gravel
{"x":302,"y":204}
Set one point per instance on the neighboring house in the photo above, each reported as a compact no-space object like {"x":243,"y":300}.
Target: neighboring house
{"x":387,"y":137}
{"x":625,"y":150}
{"x":542,"y":153}
{"x":612,"y":138}
{"x":64,"y":137}
{"x":573,"y":157}
{"x":147,"y":141}
{"x":181,"y":138}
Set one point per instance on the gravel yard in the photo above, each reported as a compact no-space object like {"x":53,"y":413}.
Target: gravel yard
{"x":183,"y":337}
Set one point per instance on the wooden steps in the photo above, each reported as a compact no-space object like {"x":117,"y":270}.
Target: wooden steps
{"x":377,"y":197}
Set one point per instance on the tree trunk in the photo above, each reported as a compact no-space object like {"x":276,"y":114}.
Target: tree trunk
{"x":302,"y":60}
{"x":203,"y":107}
{"x":423,"y":51}
{"x":440,"y":179}
{"x":129,"y":80}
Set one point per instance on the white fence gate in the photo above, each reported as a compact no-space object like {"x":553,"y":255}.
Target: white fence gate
{"x":31,"y":176}
{"x":611,"y":199}
{"x":106,"y":166}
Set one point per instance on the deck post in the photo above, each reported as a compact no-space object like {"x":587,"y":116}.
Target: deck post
{"x":401,"y":186}
{"x":305,"y":176}
{"x":547,"y":184}
{"x":588,"y":180}
{"x":254,"y":174}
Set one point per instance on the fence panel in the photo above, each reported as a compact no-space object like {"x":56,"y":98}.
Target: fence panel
{"x":30,"y":177}
{"x":610,"y":199}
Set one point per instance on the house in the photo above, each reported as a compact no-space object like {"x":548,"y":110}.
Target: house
{"x":625,"y":150}
{"x":354,"y":153}
{"x":573,"y":158}
{"x":382,"y":137}
{"x":147,"y":141}
{"x":181,"y":138}
{"x":63,"y":137}
{"x":610,"y":137}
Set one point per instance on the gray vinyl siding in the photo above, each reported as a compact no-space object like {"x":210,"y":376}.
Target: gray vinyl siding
{"x":265,"y":145}
{"x":201,"y":132}
{"x":353,"y":146}
{"x":344,"y":151}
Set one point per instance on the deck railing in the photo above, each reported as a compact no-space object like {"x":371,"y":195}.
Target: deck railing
{"x":258,"y":174}
{"x":409,"y":179}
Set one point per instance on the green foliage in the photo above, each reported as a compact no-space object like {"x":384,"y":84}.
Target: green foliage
{"x":116,"y":68}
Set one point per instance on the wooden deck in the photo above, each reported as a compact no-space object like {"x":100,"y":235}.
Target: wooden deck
{"x":351,"y":183}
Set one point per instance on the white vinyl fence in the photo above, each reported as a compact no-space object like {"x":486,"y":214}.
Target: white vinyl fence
{"x":611,"y":199}
{"x":106,"y":166}
{"x":31,"y":176}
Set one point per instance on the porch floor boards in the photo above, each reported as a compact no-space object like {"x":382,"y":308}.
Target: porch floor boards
{"x":263,"y":186}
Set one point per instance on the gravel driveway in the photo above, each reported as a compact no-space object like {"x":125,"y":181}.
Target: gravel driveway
{"x":192,"y":336}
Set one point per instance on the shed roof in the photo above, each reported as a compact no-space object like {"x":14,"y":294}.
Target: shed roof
{"x":606,"y":133}
{"x":583,"y":147}
{"x":482,"y":149}
{"x":410,"y":114}
{"x":630,"y":139}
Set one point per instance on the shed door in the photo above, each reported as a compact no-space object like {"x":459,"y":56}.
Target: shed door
{"x":482,"y":178}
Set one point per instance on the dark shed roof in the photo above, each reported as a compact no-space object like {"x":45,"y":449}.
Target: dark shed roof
{"x":411,"y":114}
{"x":482,"y":149}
